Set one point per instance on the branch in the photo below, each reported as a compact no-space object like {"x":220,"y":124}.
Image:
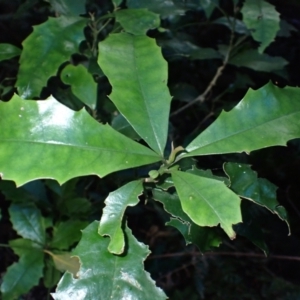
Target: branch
{"x":201,"y":98}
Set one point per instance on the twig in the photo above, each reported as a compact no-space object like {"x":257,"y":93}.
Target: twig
{"x":201,"y":98}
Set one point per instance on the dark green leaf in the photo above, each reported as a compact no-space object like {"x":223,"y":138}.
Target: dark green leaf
{"x":25,"y":274}
{"x":247,"y":127}
{"x":28,"y":222}
{"x":137,"y":21}
{"x":62,"y":143}
{"x":120,"y":124}
{"x":164,"y":8}
{"x":51,"y":274}
{"x":203,"y":237}
{"x":208,"y":174}
{"x":8,"y":51}
{"x":68,"y":7}
{"x":262,"y":20}
{"x":45,"y":49}
{"x":111,"y":220}
{"x":245,"y":183}
{"x":208,"y":202}
{"x":67,"y":233}
{"x":259,"y":62}
{"x":111,"y":276}
{"x":138,"y":74}
{"x":82,"y":84}
{"x":208,"y":6}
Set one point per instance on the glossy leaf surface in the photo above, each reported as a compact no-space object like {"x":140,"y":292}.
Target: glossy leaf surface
{"x":262,"y":19}
{"x":203,"y":237}
{"x":24,"y":274}
{"x":45,"y":49}
{"x":28,"y":222}
{"x":137,"y":21}
{"x":247,"y":127}
{"x":67,"y":233}
{"x":138,"y":74}
{"x":82,"y":84}
{"x":208,"y":202}
{"x":245,"y":183}
{"x":62,"y":143}
{"x":8,"y":51}
{"x":111,"y":276}
{"x":111,"y":220}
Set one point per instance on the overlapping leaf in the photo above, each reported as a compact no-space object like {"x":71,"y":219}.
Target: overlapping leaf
{"x":45,"y":49}
{"x":138,"y":74}
{"x":248,"y":127}
{"x":8,"y":51}
{"x":45,"y":139}
{"x":107,"y":275}
{"x":67,"y":233}
{"x":28,"y":222}
{"x":68,"y":7}
{"x":23,"y":275}
{"x":111,"y":220}
{"x":82,"y":84}
{"x":262,"y":20}
{"x":245,"y":183}
{"x":208,"y":202}
{"x":259,"y":62}
{"x":205,"y":238}
{"x":137,"y":21}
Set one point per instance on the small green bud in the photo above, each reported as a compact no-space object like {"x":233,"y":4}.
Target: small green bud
{"x":153,"y":174}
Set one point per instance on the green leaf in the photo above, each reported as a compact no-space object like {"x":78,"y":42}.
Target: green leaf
{"x":51,"y":274}
{"x":82,"y":84}
{"x":203,"y":237}
{"x":111,"y":276}
{"x":164,"y":8}
{"x":179,"y":48}
{"x":138,"y":74}
{"x":208,"y":202}
{"x":45,"y":49}
{"x":8,"y":51}
{"x":65,"y":262}
{"x":245,"y":183}
{"x":62,"y":143}
{"x":262,"y":19}
{"x":117,"y":2}
{"x":68,"y":7}
{"x":25,"y":274}
{"x":67,"y":233}
{"x":137,"y":21}
{"x":120,"y":124}
{"x":208,"y":6}
{"x":259,"y":62}
{"x":28,"y":222}
{"x":249,"y":127}
{"x":208,"y":174}
{"x":111,"y":220}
